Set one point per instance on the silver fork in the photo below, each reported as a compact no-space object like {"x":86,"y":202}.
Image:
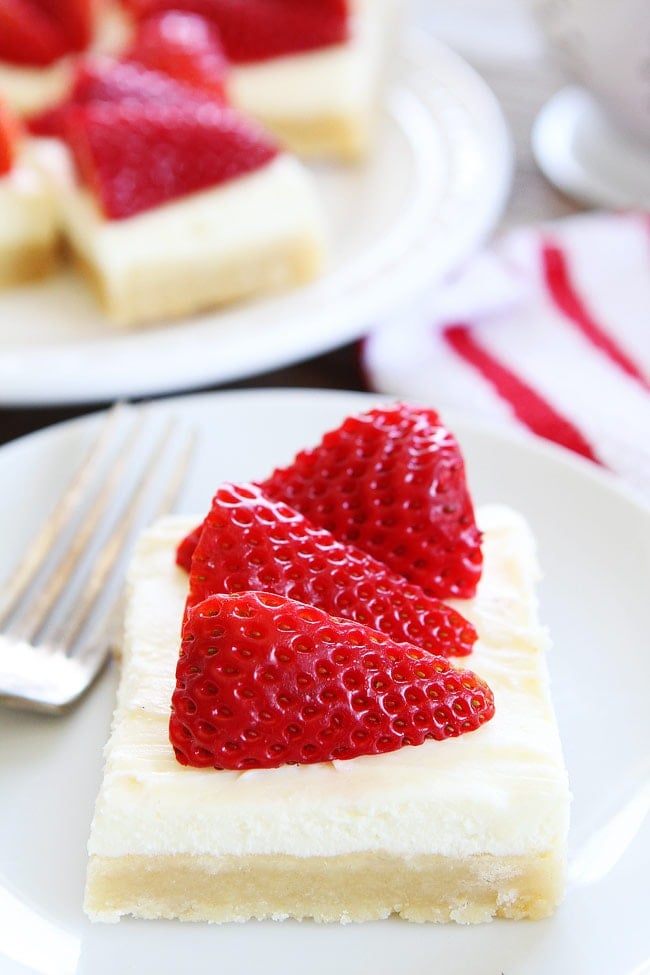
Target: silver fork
{"x":59,"y":605}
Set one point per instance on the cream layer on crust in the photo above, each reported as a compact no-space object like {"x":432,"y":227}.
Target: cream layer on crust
{"x":483,"y":816}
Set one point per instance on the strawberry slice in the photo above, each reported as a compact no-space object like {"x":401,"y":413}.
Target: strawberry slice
{"x":75,"y":19}
{"x":257,"y":30}
{"x":27,"y":35}
{"x":251,"y":542}
{"x":264,"y":681}
{"x":137,"y":155}
{"x":392,"y":482}
{"x":185,"y":46}
{"x":187,"y":547}
{"x":9,"y":137}
{"x":107,"y":80}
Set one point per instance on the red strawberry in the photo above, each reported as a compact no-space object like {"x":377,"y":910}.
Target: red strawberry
{"x":187,"y":547}
{"x":255,"y":30}
{"x":107,"y":80}
{"x":185,"y":46}
{"x":9,"y":136}
{"x":250,"y":542}
{"x":264,"y":681}
{"x":27,"y":35}
{"x":49,"y":122}
{"x":75,"y":18}
{"x":135,"y":156}
{"x":392,"y":482}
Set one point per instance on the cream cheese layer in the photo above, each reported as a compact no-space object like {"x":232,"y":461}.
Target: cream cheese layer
{"x":501,"y":790}
{"x":28,"y":90}
{"x":275,"y":203}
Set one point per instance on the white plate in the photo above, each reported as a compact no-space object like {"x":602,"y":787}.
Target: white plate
{"x":595,"y":548}
{"x":581,"y":153}
{"x":432,"y":191}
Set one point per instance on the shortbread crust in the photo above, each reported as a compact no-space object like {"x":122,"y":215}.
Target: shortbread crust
{"x":349,"y":887}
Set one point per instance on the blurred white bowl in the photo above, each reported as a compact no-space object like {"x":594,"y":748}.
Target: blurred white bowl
{"x":605,"y":46}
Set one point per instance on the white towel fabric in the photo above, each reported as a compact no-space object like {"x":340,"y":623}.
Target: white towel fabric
{"x":549,"y":329}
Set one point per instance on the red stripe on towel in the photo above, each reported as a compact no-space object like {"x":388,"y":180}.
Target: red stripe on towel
{"x":527,"y":405}
{"x":568,"y":301}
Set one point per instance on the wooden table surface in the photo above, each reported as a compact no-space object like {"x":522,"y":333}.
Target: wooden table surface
{"x":521,"y":76}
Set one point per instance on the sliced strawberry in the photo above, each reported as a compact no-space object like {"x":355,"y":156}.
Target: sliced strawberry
{"x":251,"y":542}
{"x":75,"y":19}
{"x":187,"y":547}
{"x":185,"y":46}
{"x":27,"y":35}
{"x":256,"y":30}
{"x":392,"y":482}
{"x":49,"y":121}
{"x":137,"y":155}
{"x":107,"y":80}
{"x":9,"y":137}
{"x":264,"y":681}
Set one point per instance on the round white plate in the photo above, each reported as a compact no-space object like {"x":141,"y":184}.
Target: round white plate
{"x":583,"y":156}
{"x":432,"y":191}
{"x":595,"y":549}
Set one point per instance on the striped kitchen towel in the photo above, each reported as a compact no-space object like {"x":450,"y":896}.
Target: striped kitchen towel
{"x":549,"y":330}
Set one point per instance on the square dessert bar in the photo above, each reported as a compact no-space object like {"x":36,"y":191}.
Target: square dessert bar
{"x":259,"y":233}
{"x":465,"y":829}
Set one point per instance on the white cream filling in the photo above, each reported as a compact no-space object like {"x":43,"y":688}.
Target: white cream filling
{"x":275,"y":203}
{"x":501,"y":790}
{"x":28,"y":90}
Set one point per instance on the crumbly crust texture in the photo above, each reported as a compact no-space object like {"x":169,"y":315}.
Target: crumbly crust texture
{"x":26,"y":262}
{"x":356,"y":887}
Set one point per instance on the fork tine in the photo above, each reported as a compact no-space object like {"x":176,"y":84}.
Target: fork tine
{"x":109,"y":557}
{"x":74,"y":643}
{"x":37,"y":554}
{"x":30,"y":622}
